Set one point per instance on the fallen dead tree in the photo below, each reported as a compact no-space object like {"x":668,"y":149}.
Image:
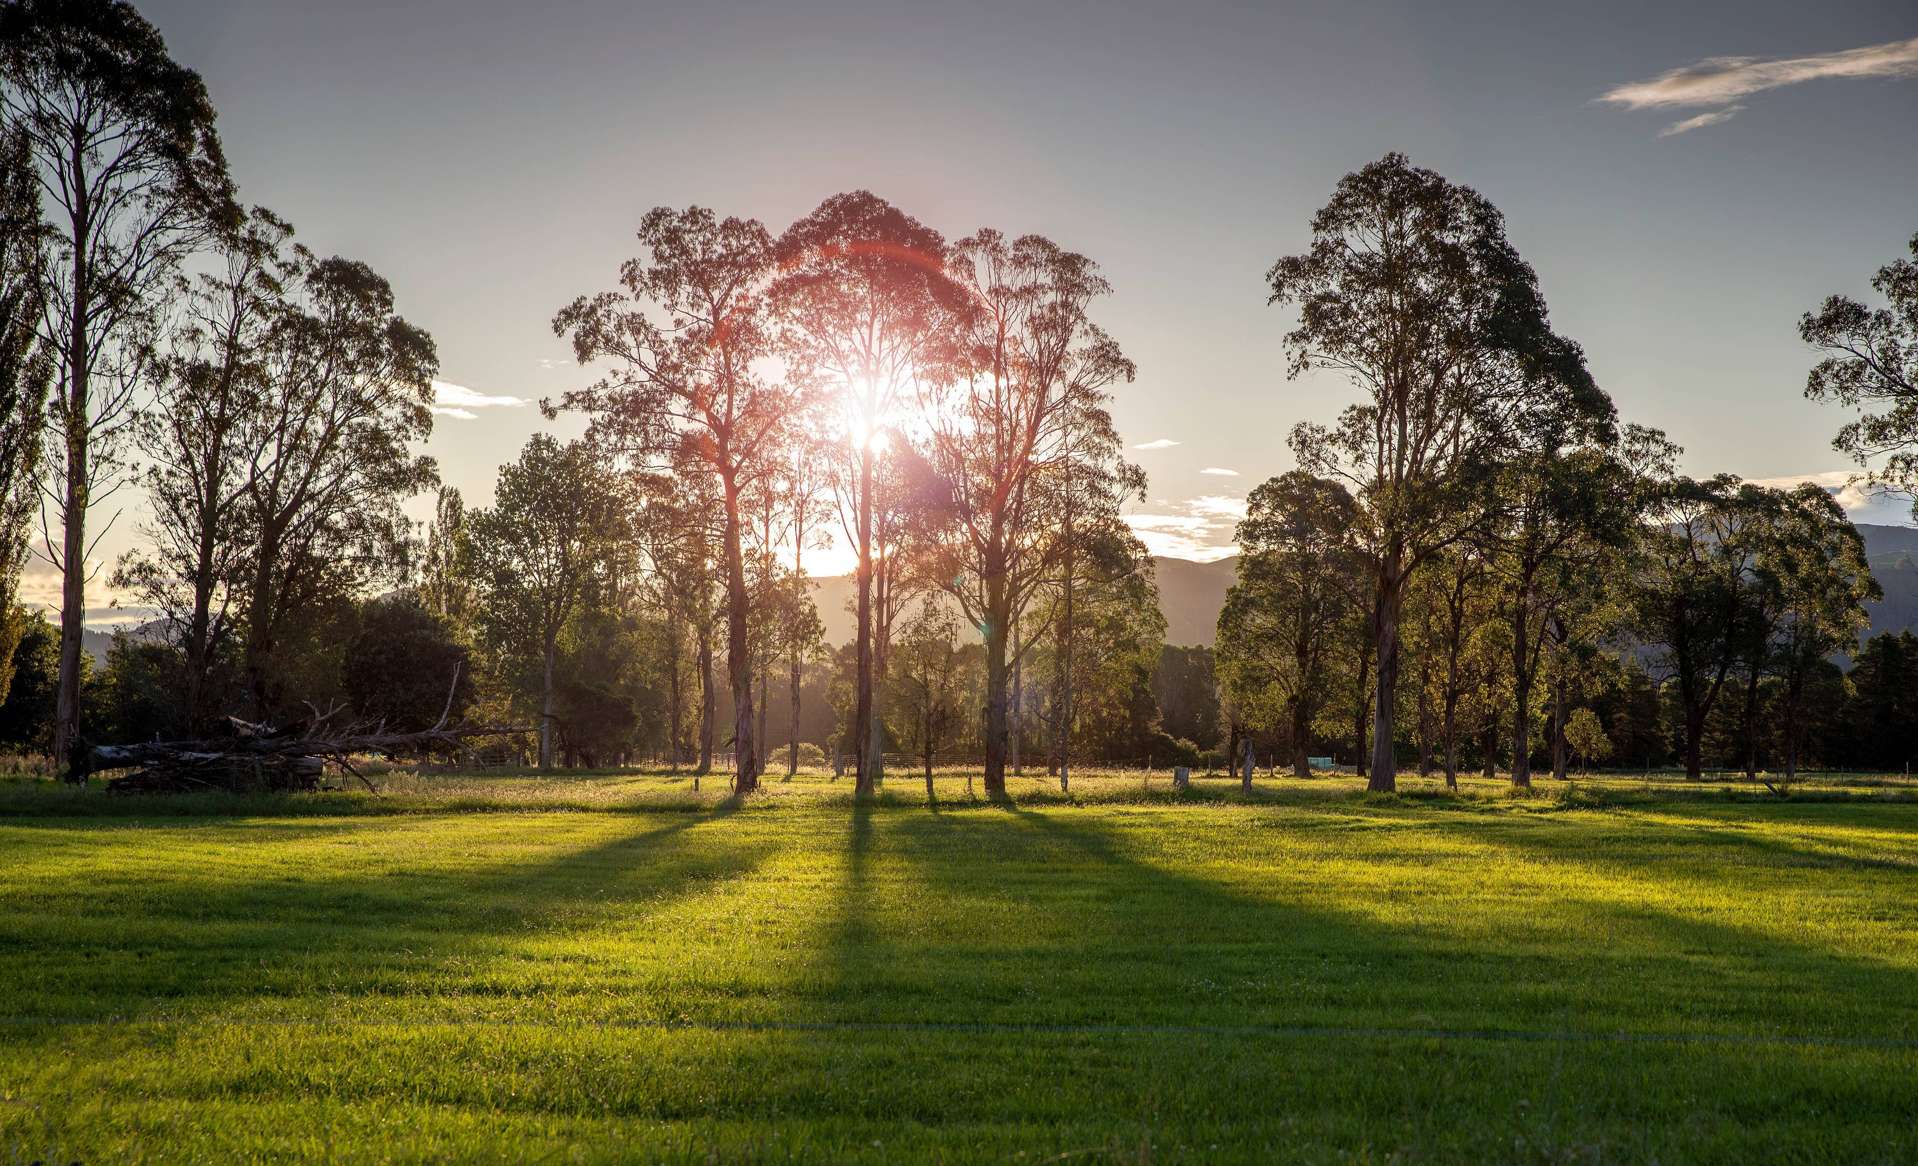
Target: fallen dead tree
{"x":260,"y":757}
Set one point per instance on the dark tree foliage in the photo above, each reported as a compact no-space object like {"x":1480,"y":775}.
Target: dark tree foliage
{"x":1412,"y":291}
{"x":1871,"y":365}
{"x":1187,"y":693}
{"x":136,"y":696}
{"x":26,"y":715}
{"x":123,"y":141}
{"x":402,"y":666}
{"x":1881,"y":718}
{"x":26,"y":371}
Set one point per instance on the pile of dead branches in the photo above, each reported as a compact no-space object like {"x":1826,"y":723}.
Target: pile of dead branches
{"x":255,"y":757}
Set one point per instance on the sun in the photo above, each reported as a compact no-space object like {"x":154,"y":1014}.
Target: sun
{"x":865,"y":415}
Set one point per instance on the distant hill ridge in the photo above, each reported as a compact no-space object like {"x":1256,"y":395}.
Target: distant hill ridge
{"x":1191,"y":594}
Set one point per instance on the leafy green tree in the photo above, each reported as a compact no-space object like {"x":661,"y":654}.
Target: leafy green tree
{"x":26,"y":715}
{"x":864,"y":295}
{"x":208,"y":383}
{"x":329,"y":458}
{"x":1462,"y":609}
{"x":1411,"y":290}
{"x":1881,"y":716}
{"x":685,"y":342}
{"x":1693,"y":591}
{"x":675,"y":537}
{"x":136,"y":696}
{"x":26,"y":371}
{"x":1026,"y":363}
{"x":541,"y":551}
{"x":1586,"y":737}
{"x":1186,"y":690}
{"x":1567,"y":500}
{"x":1813,"y":567}
{"x":1108,"y":660}
{"x":929,"y":682}
{"x":446,"y":583}
{"x":123,"y":142}
{"x":1298,"y":574}
{"x":405,"y":667}
{"x":1093,"y":550}
{"x":1871,"y":365}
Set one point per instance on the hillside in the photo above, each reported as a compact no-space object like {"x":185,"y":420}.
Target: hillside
{"x":1191,"y":594}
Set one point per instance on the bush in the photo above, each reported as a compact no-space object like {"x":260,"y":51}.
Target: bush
{"x":811,"y":756}
{"x":1166,"y":750}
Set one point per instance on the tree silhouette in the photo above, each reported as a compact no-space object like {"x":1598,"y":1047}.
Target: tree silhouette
{"x":123,"y":141}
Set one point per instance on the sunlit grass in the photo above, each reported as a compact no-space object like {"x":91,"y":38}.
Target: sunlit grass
{"x":613,"y":966}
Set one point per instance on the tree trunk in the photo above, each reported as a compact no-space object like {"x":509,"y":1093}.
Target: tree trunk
{"x":1751,"y":726}
{"x":709,"y":707}
{"x":1521,"y":692}
{"x":256,"y":662}
{"x":1245,"y":767}
{"x":1301,"y":738}
{"x":801,"y":503}
{"x":73,"y":585}
{"x":1064,"y":745}
{"x":738,"y":645}
{"x":1425,"y":715}
{"x":998,"y":612}
{"x":862,"y":719}
{"x":792,"y":749}
{"x":928,"y":740}
{"x":1792,"y":689}
{"x":1018,"y":703}
{"x":675,"y":699}
{"x":759,"y":733}
{"x":1560,"y":748}
{"x":546,"y":700}
{"x":1386,"y":624}
{"x":1363,"y":716}
{"x":1451,"y":737}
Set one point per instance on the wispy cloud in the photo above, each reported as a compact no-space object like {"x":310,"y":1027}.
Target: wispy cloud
{"x":1198,"y":528}
{"x":1722,"y":81}
{"x":1701,"y":121}
{"x":1220,"y":472}
{"x":451,"y":400}
{"x":1161,"y":443}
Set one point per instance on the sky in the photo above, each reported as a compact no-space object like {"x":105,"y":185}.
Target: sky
{"x":1687,"y":180}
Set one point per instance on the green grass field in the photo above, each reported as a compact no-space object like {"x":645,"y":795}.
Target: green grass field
{"x":613,"y":968}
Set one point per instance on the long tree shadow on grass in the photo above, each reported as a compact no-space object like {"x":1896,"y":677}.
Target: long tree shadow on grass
{"x":206,"y":948}
{"x":1026,"y":918}
{"x":1052,"y":918}
{"x":1636,"y":946}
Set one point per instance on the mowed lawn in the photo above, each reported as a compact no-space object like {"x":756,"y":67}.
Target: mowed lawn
{"x":613,"y":968}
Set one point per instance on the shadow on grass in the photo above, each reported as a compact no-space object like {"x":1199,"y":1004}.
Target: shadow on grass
{"x":205,"y":946}
{"x":1052,"y":916}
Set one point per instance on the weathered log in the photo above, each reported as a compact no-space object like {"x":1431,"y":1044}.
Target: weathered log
{"x":259,"y":757}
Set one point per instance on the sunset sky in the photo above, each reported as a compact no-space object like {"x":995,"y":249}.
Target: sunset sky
{"x":1687,"y":179}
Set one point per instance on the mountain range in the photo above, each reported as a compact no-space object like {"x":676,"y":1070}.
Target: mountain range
{"x":1191,"y":593}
